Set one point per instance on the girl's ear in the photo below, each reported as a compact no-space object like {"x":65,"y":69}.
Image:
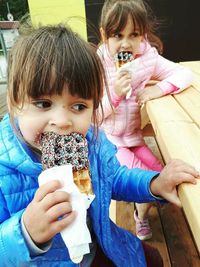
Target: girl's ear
{"x":103,"y":38}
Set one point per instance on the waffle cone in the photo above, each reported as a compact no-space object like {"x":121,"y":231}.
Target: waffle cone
{"x":83,"y":181}
{"x":58,"y":150}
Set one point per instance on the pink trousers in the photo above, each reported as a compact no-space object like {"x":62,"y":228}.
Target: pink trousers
{"x":138,"y":157}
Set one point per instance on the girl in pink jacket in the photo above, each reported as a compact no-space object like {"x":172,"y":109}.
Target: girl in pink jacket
{"x":125,"y":27}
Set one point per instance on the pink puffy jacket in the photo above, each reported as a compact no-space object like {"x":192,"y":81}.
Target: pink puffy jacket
{"x":122,"y":126}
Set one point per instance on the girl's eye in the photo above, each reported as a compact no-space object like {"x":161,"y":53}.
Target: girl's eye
{"x":42,"y":104}
{"x":117,"y":35}
{"x":79,"y":107}
{"x":135,"y":34}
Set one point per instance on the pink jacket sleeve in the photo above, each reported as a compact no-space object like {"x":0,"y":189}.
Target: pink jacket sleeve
{"x":172,"y":73}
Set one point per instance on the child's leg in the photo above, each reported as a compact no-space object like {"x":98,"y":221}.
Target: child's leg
{"x":142,"y":210}
{"x":127,"y":157}
{"x":147,"y":157}
{"x":144,"y":154}
{"x":140,"y":157}
{"x":143,"y":229}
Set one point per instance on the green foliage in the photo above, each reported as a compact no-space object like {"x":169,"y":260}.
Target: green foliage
{"x":18,"y":8}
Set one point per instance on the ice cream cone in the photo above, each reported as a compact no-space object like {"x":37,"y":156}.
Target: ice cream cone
{"x":58,"y":150}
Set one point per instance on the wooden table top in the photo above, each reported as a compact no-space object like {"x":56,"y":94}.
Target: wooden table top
{"x":176,"y":123}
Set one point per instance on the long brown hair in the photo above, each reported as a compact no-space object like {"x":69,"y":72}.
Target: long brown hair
{"x":114,"y":17}
{"x":43,"y":60}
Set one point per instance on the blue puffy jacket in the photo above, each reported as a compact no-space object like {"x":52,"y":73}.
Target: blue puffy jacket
{"x":19,"y":170}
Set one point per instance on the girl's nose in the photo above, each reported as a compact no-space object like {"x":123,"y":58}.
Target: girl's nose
{"x":125,"y":44}
{"x":61,"y":120}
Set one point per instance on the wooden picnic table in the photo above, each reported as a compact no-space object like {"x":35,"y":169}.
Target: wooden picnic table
{"x":176,"y":123}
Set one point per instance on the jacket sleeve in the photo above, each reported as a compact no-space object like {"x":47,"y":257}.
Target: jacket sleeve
{"x":13,"y":249}
{"x":173,"y":73}
{"x":111,"y":101}
{"x":126,"y":184}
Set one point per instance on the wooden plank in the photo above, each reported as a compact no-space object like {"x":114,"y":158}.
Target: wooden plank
{"x":195,"y":67}
{"x":150,"y":141}
{"x":170,"y":124}
{"x":144,"y":116}
{"x":189,"y":100}
{"x":196,"y":81}
{"x":159,"y":239}
{"x":178,"y":238}
{"x":189,"y":195}
{"x":178,"y":137}
{"x":165,"y":109}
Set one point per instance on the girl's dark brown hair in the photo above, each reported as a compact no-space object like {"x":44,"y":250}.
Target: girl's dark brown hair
{"x":45,"y":59}
{"x":114,"y":17}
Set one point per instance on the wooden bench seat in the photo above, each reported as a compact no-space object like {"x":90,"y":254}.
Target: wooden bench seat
{"x":171,"y":235}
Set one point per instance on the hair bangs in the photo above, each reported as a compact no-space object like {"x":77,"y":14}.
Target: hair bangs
{"x":140,"y":21}
{"x":84,"y":72}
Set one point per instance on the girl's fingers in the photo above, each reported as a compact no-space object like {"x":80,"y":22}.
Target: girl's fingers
{"x":186,"y":178}
{"x":173,"y":198}
{"x":59,"y":225}
{"x":58,"y":211}
{"x":190,"y":170}
{"x":121,"y":73}
{"x":47,"y":188}
{"x":54,"y":198}
{"x":179,"y":167}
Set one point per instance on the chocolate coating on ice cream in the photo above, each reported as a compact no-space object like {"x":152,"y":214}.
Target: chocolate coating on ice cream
{"x":122,"y":58}
{"x":59,"y":150}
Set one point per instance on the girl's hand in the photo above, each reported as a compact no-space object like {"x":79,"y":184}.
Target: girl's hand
{"x":122,"y":83}
{"x":148,"y":93}
{"x":174,"y":173}
{"x":49,"y":212}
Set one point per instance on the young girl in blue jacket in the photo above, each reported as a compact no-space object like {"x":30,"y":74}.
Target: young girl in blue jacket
{"x":55,"y":83}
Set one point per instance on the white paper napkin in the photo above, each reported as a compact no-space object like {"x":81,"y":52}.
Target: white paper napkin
{"x":76,"y":236}
{"x":131,"y":67}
